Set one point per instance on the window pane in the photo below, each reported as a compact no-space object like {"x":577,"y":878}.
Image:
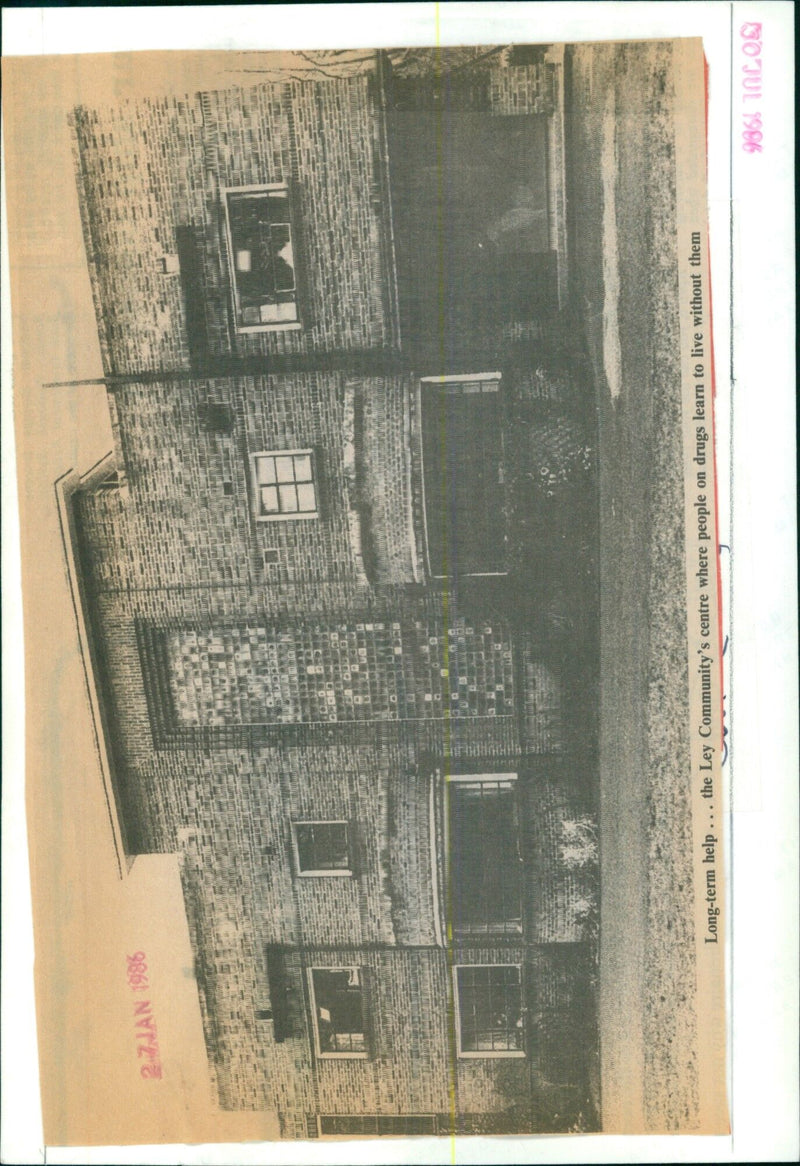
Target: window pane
{"x":304,"y":839}
{"x":332,"y":846}
{"x":490,"y":1009}
{"x":322,"y":845}
{"x":339,"y":1006}
{"x":262,"y":255}
{"x":278,"y":199}
{"x":306,"y":497}
{"x":288,"y":499}
{"x":282,"y":256}
{"x":302,"y":467}
{"x":269,"y":500}
{"x":462,"y":453}
{"x":484,"y":858}
{"x":285,"y":483}
{"x":265,"y":469}
{"x":284,"y":313}
{"x":285,"y":468}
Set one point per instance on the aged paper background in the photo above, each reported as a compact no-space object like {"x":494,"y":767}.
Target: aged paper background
{"x":94,"y":919}
{"x":82,"y":420}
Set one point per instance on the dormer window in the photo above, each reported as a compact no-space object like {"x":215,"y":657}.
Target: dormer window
{"x":262,"y":260}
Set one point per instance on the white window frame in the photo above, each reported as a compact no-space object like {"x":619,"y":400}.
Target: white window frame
{"x":459,"y":378}
{"x":256,"y":188}
{"x":483,"y":778}
{"x":289,"y":516}
{"x":313,"y":874}
{"x":470,"y":1054}
{"x":335,"y":1056}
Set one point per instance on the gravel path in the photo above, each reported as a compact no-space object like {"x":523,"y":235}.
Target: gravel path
{"x":621,"y":195}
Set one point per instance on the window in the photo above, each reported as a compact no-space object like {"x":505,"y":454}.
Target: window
{"x":261,"y":250}
{"x":484,"y":863}
{"x":376,"y":1125}
{"x":284,"y":484}
{"x":489,"y":1010}
{"x":462,"y":475}
{"x":466,"y":384}
{"x":321,"y":848}
{"x":109,"y":482}
{"x":338,"y":1007}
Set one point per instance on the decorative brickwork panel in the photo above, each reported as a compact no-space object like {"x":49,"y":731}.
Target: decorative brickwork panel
{"x":338,"y":673}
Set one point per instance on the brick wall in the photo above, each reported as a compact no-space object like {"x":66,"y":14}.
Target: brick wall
{"x":229,"y":812}
{"x":383,"y":426}
{"x":522,"y":89}
{"x":151,"y":174}
{"x":150,"y":168}
{"x":490,"y":86}
{"x":175,"y":551}
{"x":191,"y":513}
{"x":414,"y":870}
{"x":410,"y":1067}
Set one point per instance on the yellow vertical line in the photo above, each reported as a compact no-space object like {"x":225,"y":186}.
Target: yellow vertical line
{"x":447,"y":726}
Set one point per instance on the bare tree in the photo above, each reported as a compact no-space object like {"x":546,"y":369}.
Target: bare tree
{"x":331,"y":64}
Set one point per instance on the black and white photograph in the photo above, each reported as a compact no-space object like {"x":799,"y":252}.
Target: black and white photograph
{"x":372,"y":583}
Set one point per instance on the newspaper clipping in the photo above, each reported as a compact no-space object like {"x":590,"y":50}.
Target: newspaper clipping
{"x":364,"y":408}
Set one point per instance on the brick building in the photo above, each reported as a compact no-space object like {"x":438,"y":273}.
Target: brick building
{"x":337,"y":578}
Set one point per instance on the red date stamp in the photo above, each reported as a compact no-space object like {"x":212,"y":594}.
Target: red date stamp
{"x":753,"y":71}
{"x":145,"y":1030}
{"x":138,"y":980}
